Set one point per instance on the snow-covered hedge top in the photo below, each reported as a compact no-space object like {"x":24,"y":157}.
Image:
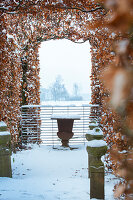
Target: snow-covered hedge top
{"x":60,"y":105}
{"x":4,"y":133}
{"x":94,"y":132}
{"x":96,"y":143}
{"x":65,"y":116}
{"x":2,"y":124}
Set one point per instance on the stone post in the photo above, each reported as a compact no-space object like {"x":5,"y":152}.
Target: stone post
{"x":5,"y":151}
{"x":96,"y":148}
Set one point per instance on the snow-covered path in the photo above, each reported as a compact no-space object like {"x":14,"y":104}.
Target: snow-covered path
{"x":44,"y":173}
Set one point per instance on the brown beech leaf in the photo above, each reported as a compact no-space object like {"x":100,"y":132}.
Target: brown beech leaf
{"x":119,"y":81}
{"x":121,"y":172}
{"x":119,"y":190}
{"x":121,"y":17}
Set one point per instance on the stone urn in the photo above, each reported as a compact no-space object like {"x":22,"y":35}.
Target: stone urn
{"x":65,"y":126}
{"x":65,"y":133}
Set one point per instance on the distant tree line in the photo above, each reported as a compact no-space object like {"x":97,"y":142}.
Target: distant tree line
{"x":58,"y":92}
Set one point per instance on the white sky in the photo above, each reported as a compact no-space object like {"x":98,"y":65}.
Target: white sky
{"x":71,"y":61}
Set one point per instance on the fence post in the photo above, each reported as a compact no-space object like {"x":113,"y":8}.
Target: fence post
{"x":83,"y":127}
{"x":52,"y":130}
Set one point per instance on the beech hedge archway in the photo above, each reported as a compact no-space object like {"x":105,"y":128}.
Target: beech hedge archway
{"x":23,"y":32}
{"x":25,"y":24}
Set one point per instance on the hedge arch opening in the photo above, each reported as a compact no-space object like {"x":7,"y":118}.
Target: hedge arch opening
{"x":23,"y":34}
{"x":65,"y":69}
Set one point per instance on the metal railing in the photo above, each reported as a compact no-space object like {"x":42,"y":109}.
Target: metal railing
{"x":36,"y":123}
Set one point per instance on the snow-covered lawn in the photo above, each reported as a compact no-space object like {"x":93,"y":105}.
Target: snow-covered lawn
{"x":44,"y":173}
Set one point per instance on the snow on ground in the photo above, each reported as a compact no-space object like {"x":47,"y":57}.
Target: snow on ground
{"x":44,"y":173}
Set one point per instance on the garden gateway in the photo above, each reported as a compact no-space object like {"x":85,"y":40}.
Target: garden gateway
{"x":25,"y":24}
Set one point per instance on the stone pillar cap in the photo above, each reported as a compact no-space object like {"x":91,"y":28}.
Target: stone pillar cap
{"x":95,"y":132}
{"x":96,"y":143}
{"x":4,"y":133}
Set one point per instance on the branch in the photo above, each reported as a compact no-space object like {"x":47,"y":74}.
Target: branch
{"x":41,"y":39}
{"x":38,"y":41}
{"x":80,"y":9}
{"x":27,"y":9}
{"x":6,"y":9}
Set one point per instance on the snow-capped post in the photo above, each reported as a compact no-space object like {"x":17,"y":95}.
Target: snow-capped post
{"x":65,"y":126}
{"x":96,"y":148}
{"x":5,"y":151}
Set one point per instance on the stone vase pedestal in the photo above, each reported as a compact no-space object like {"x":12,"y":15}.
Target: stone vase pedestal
{"x":96,"y":171}
{"x":96,"y":148}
